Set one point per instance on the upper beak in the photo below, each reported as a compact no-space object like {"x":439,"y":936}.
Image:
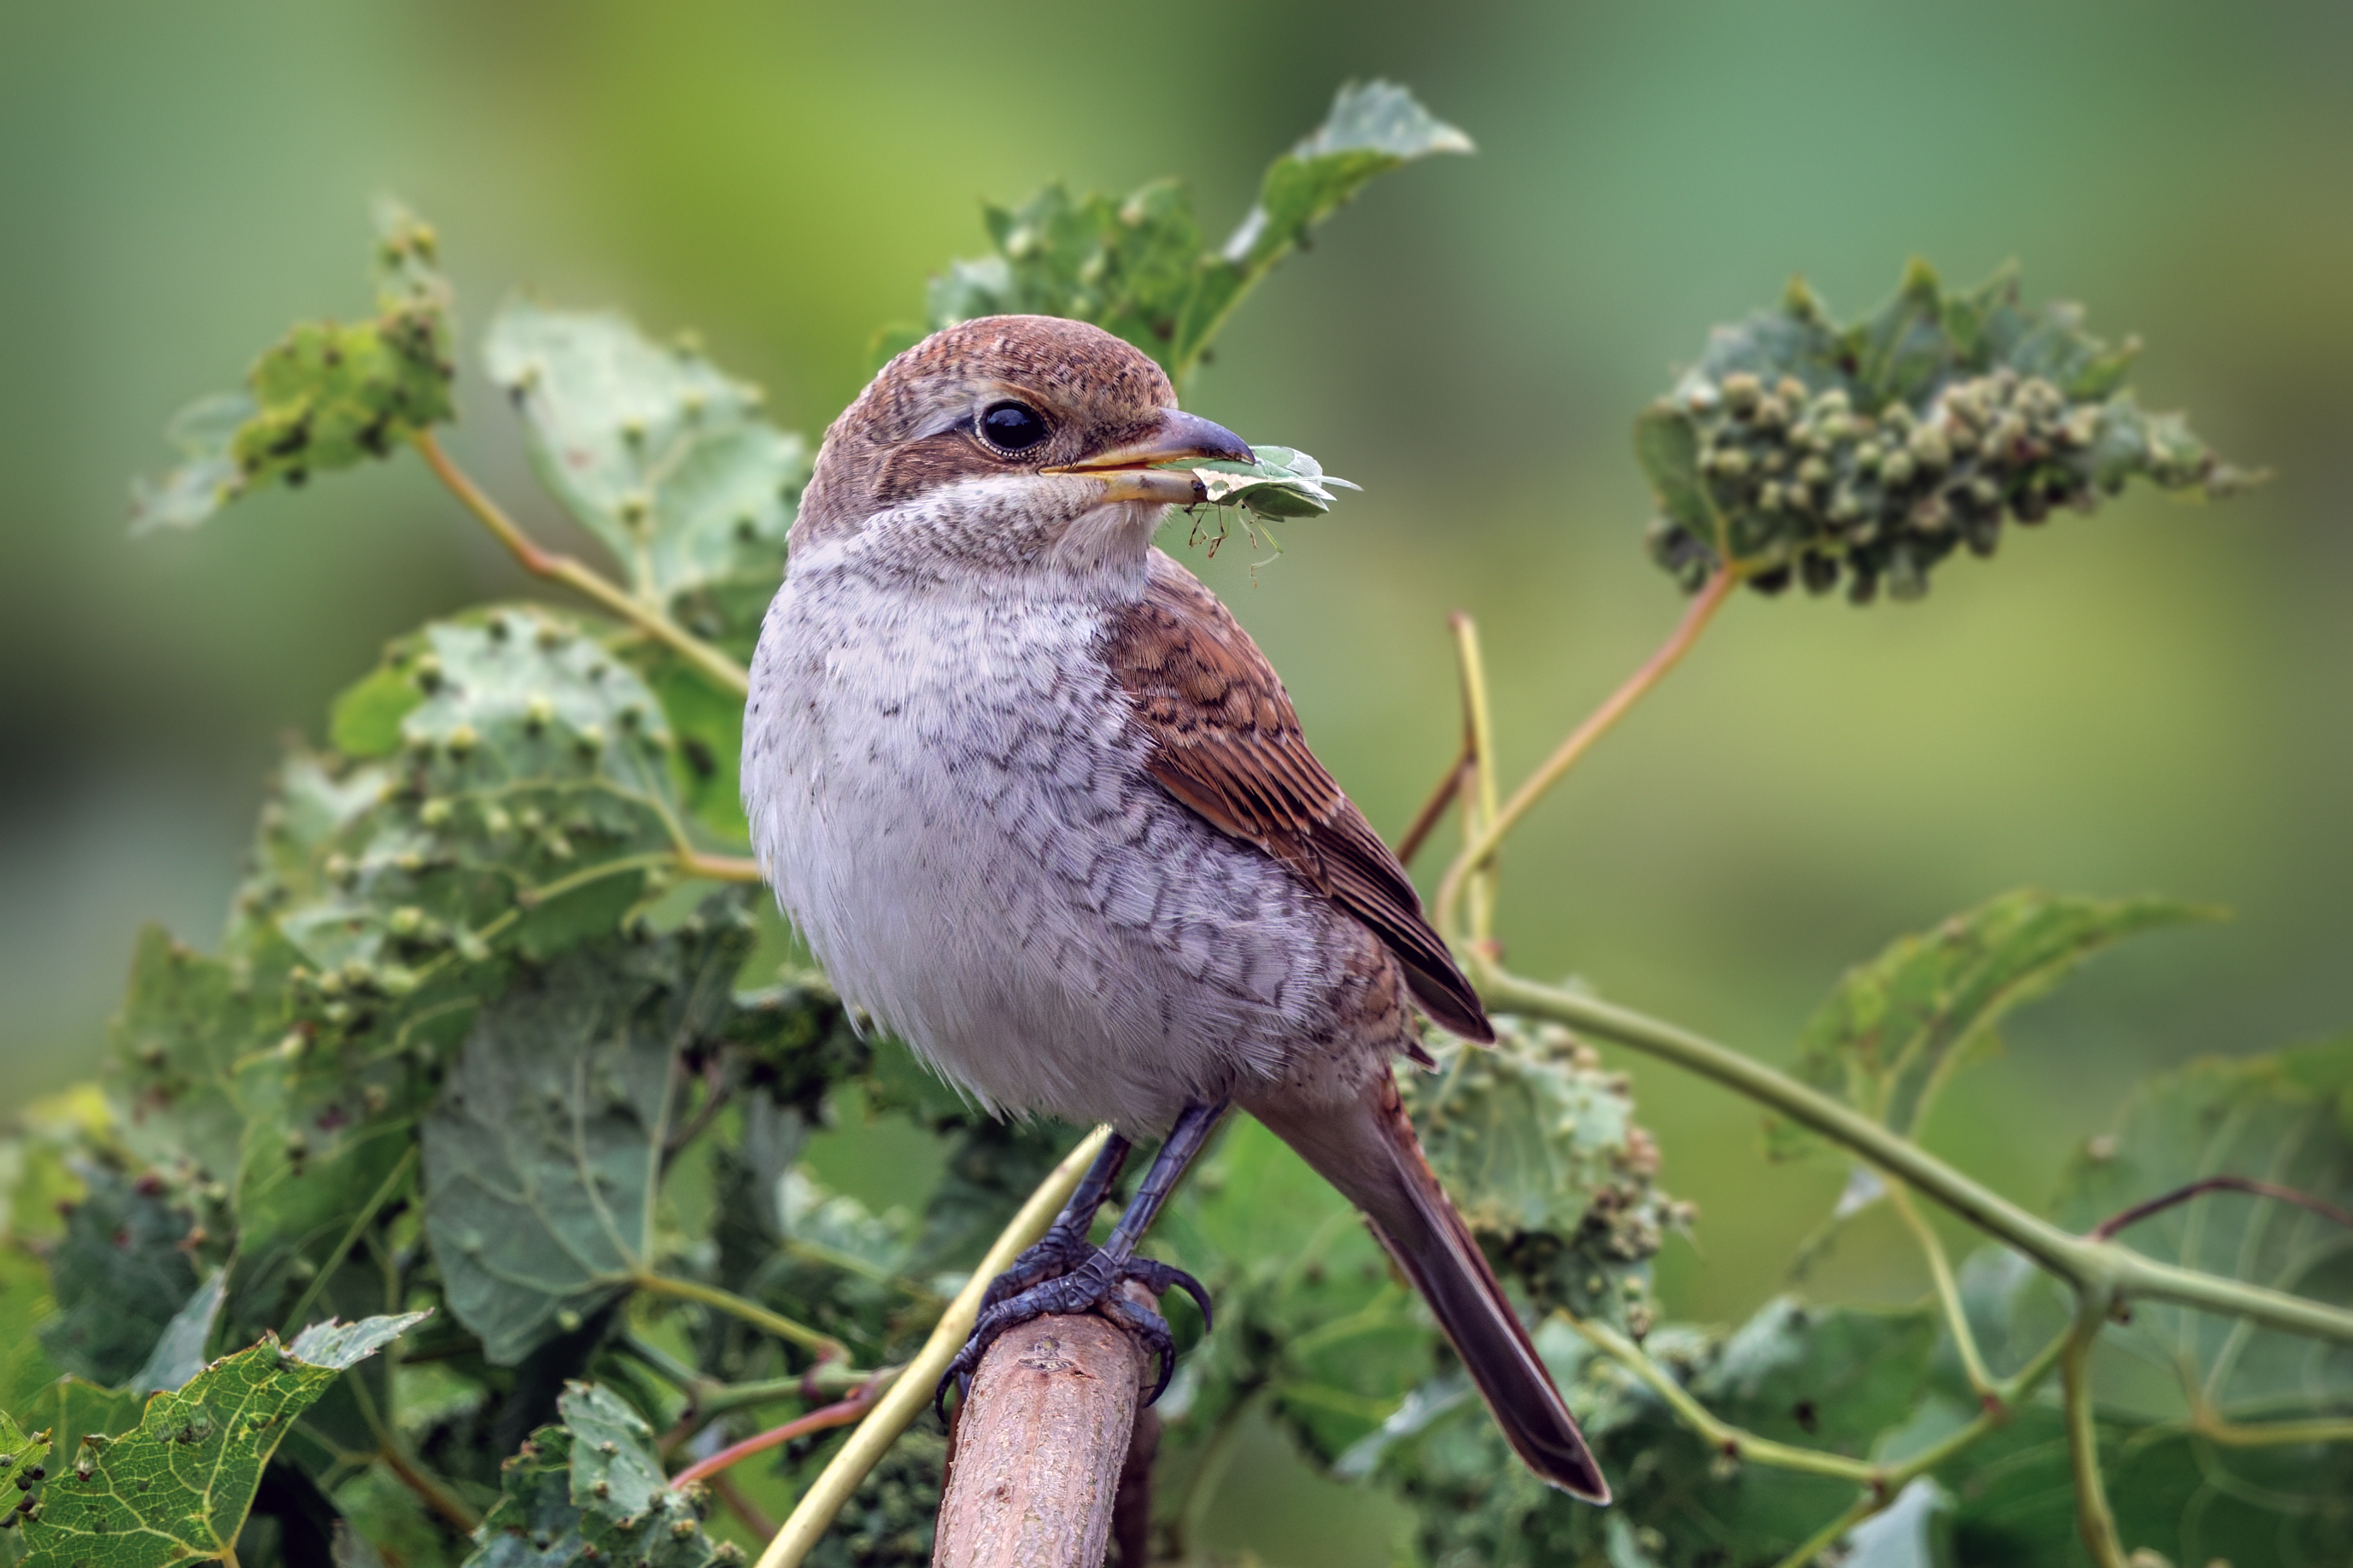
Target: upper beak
{"x":1133,"y":472}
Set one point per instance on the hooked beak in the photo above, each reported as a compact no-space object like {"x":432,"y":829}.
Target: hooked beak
{"x":1133,"y":472}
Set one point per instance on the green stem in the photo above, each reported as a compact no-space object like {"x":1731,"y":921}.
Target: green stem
{"x":913,"y":1393}
{"x":824,"y":1345}
{"x":1728,"y":1440}
{"x":709,"y":1399}
{"x":360,"y":1222}
{"x":2103,"y":1270}
{"x":1482,"y":847}
{"x":2095,"y":1521}
{"x":1478,"y":783}
{"x":1948,"y":1290}
{"x":578,"y":577}
{"x":1831,"y":1535}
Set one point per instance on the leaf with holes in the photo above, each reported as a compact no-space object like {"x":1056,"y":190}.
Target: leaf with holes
{"x":178,"y":1487}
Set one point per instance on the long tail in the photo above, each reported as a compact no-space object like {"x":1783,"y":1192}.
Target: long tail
{"x":1369,"y":1152}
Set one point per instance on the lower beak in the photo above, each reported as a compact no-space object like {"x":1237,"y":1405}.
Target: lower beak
{"x":1135,"y":472}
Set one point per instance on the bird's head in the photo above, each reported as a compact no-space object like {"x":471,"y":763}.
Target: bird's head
{"x":1008,"y":445}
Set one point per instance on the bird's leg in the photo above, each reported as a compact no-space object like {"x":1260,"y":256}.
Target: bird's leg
{"x":1064,"y":1247}
{"x":1093,"y":1285}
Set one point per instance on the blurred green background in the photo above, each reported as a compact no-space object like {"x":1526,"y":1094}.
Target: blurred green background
{"x":2154,"y":699}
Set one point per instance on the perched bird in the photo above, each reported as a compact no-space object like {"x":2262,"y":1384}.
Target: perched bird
{"x":1042,"y":808}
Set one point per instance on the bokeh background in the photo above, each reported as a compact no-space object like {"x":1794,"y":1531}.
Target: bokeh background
{"x":2158,"y":697}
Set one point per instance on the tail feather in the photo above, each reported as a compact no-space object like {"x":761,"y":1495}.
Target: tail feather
{"x":1373,"y":1157}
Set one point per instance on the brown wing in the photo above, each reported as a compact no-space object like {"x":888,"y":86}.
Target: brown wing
{"x":1226,"y":741}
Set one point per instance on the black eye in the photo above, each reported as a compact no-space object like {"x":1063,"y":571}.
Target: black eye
{"x":1012,"y":427}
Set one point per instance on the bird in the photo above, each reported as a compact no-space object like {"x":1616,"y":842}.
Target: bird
{"x":1042,"y":808}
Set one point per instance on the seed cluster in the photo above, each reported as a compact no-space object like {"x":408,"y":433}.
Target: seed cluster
{"x":1812,"y":488}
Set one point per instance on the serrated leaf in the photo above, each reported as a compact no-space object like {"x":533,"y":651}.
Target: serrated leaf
{"x":178,"y":1488}
{"x":325,"y":396}
{"x":120,"y":1275}
{"x":1136,"y":268}
{"x":1538,"y":1147}
{"x":341,"y":1346}
{"x":1893,"y":1030}
{"x":542,"y":1155}
{"x":664,"y":458}
{"x":19,"y":1453}
{"x":1810,"y":450}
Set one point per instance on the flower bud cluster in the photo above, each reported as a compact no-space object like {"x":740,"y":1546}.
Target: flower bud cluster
{"x":1812,"y":488}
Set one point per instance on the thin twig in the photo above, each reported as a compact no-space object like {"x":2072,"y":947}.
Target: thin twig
{"x":579,"y":578}
{"x":2094,"y":1521}
{"x":1580,"y":740}
{"x":1478,"y":787}
{"x":823,"y":1418}
{"x":720,"y":867}
{"x":755,"y":1519}
{"x":1433,"y":810}
{"x":1949,"y":1290}
{"x":913,"y":1393}
{"x":2139,"y":1211}
{"x":751,"y":1312}
{"x":1834,"y":1532}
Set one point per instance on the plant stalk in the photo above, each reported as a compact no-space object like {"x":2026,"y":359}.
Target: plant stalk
{"x":579,"y":578}
{"x":1948,"y":1290}
{"x":911,"y":1393}
{"x":1483,"y":845}
{"x":2094,"y":1521}
{"x":823,"y":1345}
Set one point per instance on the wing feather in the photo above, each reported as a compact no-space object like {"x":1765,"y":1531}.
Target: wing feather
{"x":1226,"y":743}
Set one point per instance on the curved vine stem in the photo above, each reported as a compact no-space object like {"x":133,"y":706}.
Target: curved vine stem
{"x":2102,"y":1271}
{"x":2094,"y":1521}
{"x":1948,"y":1290}
{"x":912,"y":1394}
{"x":824,"y":1345}
{"x":1481,"y":846}
{"x":579,"y":578}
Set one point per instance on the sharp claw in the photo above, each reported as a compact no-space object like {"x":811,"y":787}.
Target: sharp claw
{"x":1080,"y":1285}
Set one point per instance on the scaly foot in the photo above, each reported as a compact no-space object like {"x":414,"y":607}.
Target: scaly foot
{"x":1029,"y":1289}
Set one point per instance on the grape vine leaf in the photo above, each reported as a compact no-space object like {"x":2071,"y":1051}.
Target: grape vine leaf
{"x":1895,"y":1029}
{"x":543,"y":1153}
{"x":661,"y":454}
{"x":119,"y":1276}
{"x":1835,"y":1377}
{"x":1538,"y":1147}
{"x":175,"y":1047}
{"x":534,"y":1524}
{"x":592,"y":1489}
{"x":1136,"y":267}
{"x":1799,"y":449}
{"x":177,"y":1489}
{"x":325,"y":396}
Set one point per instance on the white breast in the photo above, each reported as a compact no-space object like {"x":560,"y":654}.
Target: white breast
{"x":946,"y":793}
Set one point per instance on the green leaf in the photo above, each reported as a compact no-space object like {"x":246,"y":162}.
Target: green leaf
{"x":324,"y":396}
{"x":657,"y":453}
{"x":543,"y":1153}
{"x":179,"y":1487}
{"x":1893,"y":1030}
{"x":2279,"y":1119}
{"x":629,"y":1512}
{"x":1283,"y":483}
{"x":179,"y":1353}
{"x":20,"y":1457}
{"x":1136,"y":267}
{"x":1802,"y":449}
{"x":1831,"y":1377}
{"x":24,"y":1302}
{"x":1538,"y":1146}
{"x":120,"y":1276}
{"x":534,"y":1524}
{"x":175,"y":1049}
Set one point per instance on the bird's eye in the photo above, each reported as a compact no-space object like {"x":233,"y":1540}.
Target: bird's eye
{"x":1012,"y":427}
